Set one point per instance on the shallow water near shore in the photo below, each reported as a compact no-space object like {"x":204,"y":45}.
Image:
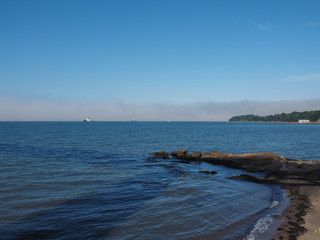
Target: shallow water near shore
{"x":98,"y":180}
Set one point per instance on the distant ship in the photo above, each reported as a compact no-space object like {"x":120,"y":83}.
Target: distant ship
{"x":88,"y":119}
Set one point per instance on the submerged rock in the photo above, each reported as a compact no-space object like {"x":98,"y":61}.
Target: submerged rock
{"x":208,"y":172}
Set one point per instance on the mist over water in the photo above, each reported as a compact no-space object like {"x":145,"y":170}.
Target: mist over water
{"x":76,"y":180}
{"x":44,"y":110}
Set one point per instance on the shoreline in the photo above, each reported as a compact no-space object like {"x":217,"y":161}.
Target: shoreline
{"x":300,"y":179}
{"x":294,"y":225}
{"x":301,"y":217}
{"x":309,"y":123}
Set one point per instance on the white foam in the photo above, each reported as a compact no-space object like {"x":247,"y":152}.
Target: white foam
{"x":261,"y":226}
{"x":274,"y":204}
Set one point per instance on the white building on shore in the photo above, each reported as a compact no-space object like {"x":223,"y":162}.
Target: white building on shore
{"x":304,"y":121}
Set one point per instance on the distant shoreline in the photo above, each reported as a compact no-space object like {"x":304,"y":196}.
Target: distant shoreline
{"x":273,"y":122}
{"x":300,"y":117}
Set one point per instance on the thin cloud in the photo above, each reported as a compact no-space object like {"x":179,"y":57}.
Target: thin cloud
{"x":306,"y":77}
{"x":313,"y":24}
{"x":262,"y":27}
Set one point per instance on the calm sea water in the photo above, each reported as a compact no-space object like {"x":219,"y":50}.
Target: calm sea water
{"x":76,"y":180}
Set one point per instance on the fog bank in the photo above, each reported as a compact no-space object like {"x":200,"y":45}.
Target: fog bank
{"x":17,"y":110}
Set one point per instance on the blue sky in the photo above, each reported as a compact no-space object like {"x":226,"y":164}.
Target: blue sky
{"x":155,"y":53}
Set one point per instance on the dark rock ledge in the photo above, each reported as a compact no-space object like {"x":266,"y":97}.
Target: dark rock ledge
{"x":294,"y":176}
{"x":271,"y":163}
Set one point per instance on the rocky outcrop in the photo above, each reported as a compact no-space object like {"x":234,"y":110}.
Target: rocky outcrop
{"x":253,"y":162}
{"x":256,"y":162}
{"x":309,"y":169}
{"x":183,"y":154}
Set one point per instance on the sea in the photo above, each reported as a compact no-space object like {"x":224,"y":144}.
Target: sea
{"x":99,"y":180}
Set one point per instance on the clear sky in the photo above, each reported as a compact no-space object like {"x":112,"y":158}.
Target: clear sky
{"x":113,"y":59}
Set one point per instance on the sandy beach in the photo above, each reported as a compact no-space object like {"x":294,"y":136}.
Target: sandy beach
{"x":312,"y":218}
{"x":302,"y":216}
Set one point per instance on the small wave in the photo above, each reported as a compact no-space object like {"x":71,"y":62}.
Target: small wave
{"x":274,"y":204}
{"x":261,"y":226}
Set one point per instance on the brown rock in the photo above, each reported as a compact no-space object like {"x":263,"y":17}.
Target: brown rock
{"x":162,"y":154}
{"x":256,"y":162}
{"x":180,"y":154}
{"x":194,"y":156}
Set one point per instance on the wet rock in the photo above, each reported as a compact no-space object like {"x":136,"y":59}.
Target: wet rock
{"x":267,"y":162}
{"x":162,"y":154}
{"x":256,"y":162}
{"x":309,"y":169}
{"x":194,"y":156}
{"x":180,"y":154}
{"x":183,"y":154}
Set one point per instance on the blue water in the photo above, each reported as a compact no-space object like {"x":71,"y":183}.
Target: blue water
{"x":76,"y":180}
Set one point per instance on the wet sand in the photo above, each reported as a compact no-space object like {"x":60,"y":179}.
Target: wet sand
{"x":294,"y":215}
{"x":302,"y":216}
{"x":301,"y":219}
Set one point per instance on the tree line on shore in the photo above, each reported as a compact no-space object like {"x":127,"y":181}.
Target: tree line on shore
{"x":312,"y":116}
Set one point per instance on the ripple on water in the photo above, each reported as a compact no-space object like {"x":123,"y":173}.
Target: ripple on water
{"x":97,"y":181}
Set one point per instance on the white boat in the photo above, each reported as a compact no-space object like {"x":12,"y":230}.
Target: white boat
{"x":88,"y":119}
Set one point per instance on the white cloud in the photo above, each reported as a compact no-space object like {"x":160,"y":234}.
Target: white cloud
{"x":16,"y":110}
{"x":313,"y":24}
{"x":262,"y":27}
{"x":306,"y":77}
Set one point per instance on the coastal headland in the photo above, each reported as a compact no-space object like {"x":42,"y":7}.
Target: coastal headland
{"x":299,"y":178}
